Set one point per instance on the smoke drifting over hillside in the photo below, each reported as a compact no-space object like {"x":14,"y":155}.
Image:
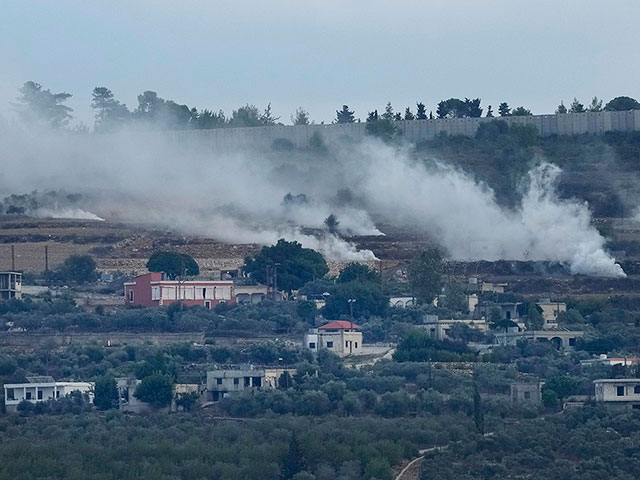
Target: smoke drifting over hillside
{"x":176,"y":181}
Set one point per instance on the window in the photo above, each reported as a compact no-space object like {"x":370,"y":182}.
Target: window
{"x":204,"y":293}
{"x":329,"y":344}
{"x":236,"y":381}
{"x":247,"y":381}
{"x":39,"y":394}
{"x":527,"y":395}
{"x":346,"y":344}
{"x":207,"y":304}
{"x":131,"y":295}
{"x":58,"y":394}
{"x":356,"y":344}
{"x":219,"y":381}
{"x":257,"y":381}
{"x":620,"y":391}
{"x":10,"y":394}
{"x":312,"y":345}
{"x":28,"y":396}
{"x":636,"y":389}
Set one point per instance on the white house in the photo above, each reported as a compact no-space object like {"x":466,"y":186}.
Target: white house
{"x":340,"y":337}
{"x":222,"y":382}
{"x":618,"y":392}
{"x":41,"y":389}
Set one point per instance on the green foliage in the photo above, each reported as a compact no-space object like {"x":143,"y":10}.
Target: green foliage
{"x":421,"y":112}
{"x":307,"y":310}
{"x":294,"y":461}
{"x":382,"y":128}
{"x":173,"y":264}
{"x":247,"y":116}
{"x":534,"y":314}
{"x":456,"y":108}
{"x":418,"y":346}
{"x":358,"y":272}
{"x":345,"y":115}
{"x":110,"y":113}
{"x":301,"y":117}
{"x":37,"y":106}
{"x":295,"y":265}
{"x":369,"y":300}
{"x":455,"y":298}
{"x":425,"y":274}
{"x":105,"y":393}
{"x":562,"y":385}
{"x":156,"y":390}
{"x":622,"y":104}
{"x":520,"y":112}
{"x":504,"y":110}
{"x":77,"y":269}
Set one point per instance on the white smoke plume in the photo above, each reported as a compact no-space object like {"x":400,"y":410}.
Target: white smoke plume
{"x":178,"y":181}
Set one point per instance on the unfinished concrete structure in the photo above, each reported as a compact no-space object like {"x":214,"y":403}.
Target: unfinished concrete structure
{"x":440,"y":328}
{"x":10,"y":285}
{"x":618,"y":393}
{"x":221,"y":383}
{"x":526,"y":390}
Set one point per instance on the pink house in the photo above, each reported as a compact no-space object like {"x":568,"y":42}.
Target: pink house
{"x":152,"y":290}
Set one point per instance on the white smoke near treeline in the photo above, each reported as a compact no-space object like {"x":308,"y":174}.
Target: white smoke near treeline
{"x":179,"y":181}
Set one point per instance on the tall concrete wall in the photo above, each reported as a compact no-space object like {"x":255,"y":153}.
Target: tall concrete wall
{"x":413,"y":131}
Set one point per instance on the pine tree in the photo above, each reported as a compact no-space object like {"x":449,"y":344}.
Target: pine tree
{"x":345,"y":115}
{"x":489,"y":112}
{"x":408,"y":115}
{"x":576,"y":106}
{"x":561,"y":108}
{"x":421,"y":113}
{"x":294,"y":461}
{"x":388,"y":112}
{"x":504,"y":110}
{"x":478,"y":410}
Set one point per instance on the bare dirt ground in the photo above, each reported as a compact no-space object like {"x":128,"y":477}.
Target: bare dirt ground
{"x":126,"y":248}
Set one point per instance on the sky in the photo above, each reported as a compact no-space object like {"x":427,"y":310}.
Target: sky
{"x":320,"y":55}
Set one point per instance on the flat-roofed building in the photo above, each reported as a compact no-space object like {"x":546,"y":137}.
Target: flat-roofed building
{"x":42,"y":389}
{"x":153,"y":290}
{"x":340,"y":337}
{"x":221,"y":383}
{"x":10,"y":285}
{"x":622,"y":393}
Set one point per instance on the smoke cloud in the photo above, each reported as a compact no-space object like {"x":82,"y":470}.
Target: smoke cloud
{"x":178,"y":181}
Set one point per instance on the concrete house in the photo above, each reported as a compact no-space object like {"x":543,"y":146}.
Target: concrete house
{"x":439,"y":328}
{"x":619,"y":393}
{"x":153,"y":290}
{"x":41,"y":389}
{"x":340,"y":337}
{"x":526,"y":391}
{"x":550,"y":312}
{"x":221,"y":383}
{"x":10,"y":285}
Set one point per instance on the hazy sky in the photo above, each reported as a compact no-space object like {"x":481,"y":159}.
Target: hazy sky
{"x":319,"y":55}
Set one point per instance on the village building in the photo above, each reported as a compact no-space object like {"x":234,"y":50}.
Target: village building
{"x":550,"y":312}
{"x":618,"y":393}
{"x":221,"y":383}
{"x":10,"y":285}
{"x":603,"y":359}
{"x":560,"y":338}
{"x":340,"y":337}
{"x":526,"y":390}
{"x":250,"y":293}
{"x":402,"y":302}
{"x":42,"y":389}
{"x":153,"y":290}
{"x":440,"y":329}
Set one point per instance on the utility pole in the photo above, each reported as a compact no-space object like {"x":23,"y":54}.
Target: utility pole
{"x":275,"y":281}
{"x":46,"y":258}
{"x":13,"y":258}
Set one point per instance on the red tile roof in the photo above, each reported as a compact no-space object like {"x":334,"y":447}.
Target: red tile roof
{"x":339,"y":325}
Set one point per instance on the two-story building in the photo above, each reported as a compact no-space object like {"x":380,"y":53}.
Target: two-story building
{"x":619,"y":393}
{"x":153,"y":290}
{"x":41,"y":389}
{"x":10,"y":285}
{"x":440,"y":328}
{"x":550,"y":312}
{"x":221,"y":383}
{"x":340,"y":337}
